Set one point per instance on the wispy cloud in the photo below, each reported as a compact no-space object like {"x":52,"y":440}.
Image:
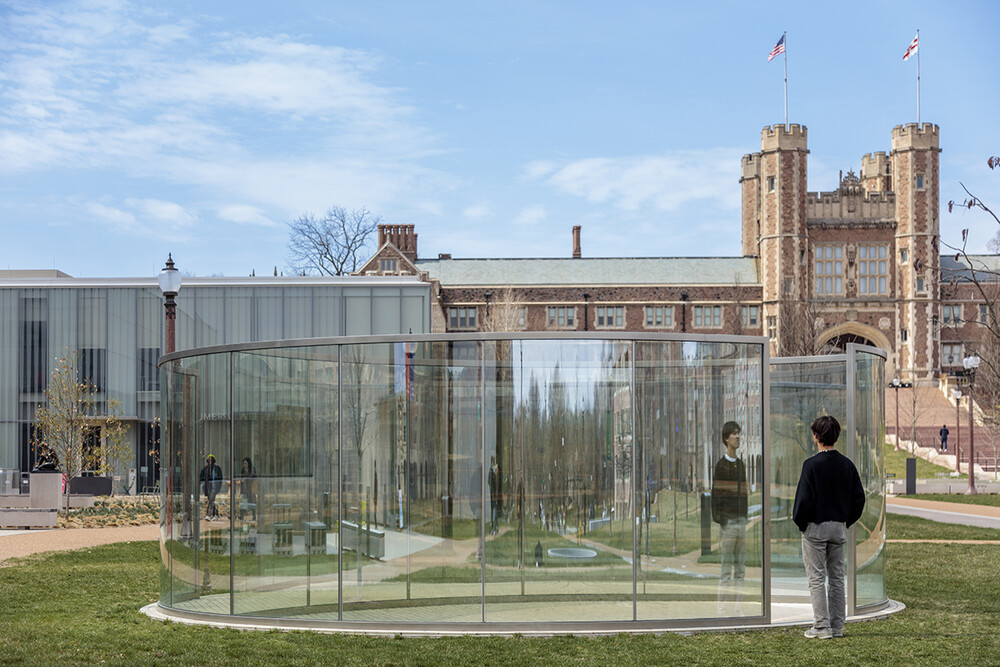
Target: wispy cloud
{"x":530,"y":215}
{"x":243,"y":214}
{"x":138,"y":93}
{"x":664,"y":182}
{"x":476,"y":212}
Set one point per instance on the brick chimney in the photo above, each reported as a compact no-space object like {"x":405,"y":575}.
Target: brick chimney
{"x":577,"y":253}
{"x":401,"y":236}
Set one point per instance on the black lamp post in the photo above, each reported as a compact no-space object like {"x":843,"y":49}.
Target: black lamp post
{"x":170,"y":285}
{"x":684,"y":298}
{"x":896,"y":385}
{"x":971,"y":363}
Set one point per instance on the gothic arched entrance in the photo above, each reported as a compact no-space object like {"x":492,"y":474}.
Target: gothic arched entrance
{"x":835,"y":339}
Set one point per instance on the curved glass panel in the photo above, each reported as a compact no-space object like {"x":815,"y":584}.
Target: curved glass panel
{"x":869,"y":428}
{"x":503,"y":480}
{"x":801,"y":390}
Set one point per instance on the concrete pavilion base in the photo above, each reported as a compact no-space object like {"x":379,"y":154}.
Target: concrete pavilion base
{"x":784,"y":616}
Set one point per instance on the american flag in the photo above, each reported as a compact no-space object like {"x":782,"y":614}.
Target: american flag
{"x":912,"y":48}
{"x":778,"y":49}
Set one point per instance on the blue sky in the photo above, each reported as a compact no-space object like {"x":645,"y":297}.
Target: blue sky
{"x":129,"y":130}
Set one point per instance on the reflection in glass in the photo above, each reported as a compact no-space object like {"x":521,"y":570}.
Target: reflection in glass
{"x":869,"y":426}
{"x":801,"y":391}
{"x":507,"y":481}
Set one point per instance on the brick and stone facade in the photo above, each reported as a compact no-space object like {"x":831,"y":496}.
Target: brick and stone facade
{"x":856,"y":264}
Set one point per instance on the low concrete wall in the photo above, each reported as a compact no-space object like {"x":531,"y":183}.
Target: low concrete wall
{"x":897,"y":487}
{"x":76,"y":501}
{"x":31,"y":517}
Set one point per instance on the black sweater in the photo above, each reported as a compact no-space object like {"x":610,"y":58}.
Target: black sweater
{"x":829,"y":490}
{"x":729,"y":491}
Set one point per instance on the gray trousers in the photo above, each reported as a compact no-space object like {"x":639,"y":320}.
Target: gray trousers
{"x":734,"y":559}
{"x":823,"y":555}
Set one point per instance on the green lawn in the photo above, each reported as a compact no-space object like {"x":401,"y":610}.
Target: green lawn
{"x":991,"y":499}
{"x":895,"y":464}
{"x":82,"y":608}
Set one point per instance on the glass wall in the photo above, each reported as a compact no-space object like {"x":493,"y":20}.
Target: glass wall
{"x":869,"y":455}
{"x":851,"y":388}
{"x":507,"y":480}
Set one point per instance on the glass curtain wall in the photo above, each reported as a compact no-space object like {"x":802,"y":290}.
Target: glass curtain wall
{"x":802,"y":389}
{"x":851,"y":388}
{"x":869,"y":455}
{"x":472,"y":480}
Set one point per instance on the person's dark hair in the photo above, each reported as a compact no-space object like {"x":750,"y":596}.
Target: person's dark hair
{"x":827,"y":430}
{"x":247,"y":465}
{"x":728,"y":429}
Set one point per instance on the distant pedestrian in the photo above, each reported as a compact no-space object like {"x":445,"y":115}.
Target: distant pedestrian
{"x":944,"y":437}
{"x":829,"y":498}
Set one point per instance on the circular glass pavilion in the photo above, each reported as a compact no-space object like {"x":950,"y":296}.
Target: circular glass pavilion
{"x":503,"y":483}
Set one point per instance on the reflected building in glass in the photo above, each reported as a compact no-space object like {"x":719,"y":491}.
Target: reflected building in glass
{"x":502,"y":482}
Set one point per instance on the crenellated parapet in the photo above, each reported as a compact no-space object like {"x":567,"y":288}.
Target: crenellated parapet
{"x":837,"y":206}
{"x":750,"y":166}
{"x":784,"y":137}
{"x":912,"y":136}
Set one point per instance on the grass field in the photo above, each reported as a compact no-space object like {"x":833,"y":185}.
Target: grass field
{"x":82,"y":608}
{"x":895,"y":464}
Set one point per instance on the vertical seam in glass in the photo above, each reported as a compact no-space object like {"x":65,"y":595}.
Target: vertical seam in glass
{"x":765,"y":411}
{"x":340,"y":483}
{"x":482,"y":480}
{"x":852,"y":454}
{"x":232,"y":489}
{"x":630,"y":347}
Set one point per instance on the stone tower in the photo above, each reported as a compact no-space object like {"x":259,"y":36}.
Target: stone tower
{"x":914,"y":161}
{"x":773,"y":187}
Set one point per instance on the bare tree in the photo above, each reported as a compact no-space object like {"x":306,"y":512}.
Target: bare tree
{"x":984,"y":280}
{"x":798,"y":327}
{"x":333,"y":245}
{"x":504,"y":312}
{"x":116,"y":450}
{"x":62,"y":424}
{"x":735,"y":319}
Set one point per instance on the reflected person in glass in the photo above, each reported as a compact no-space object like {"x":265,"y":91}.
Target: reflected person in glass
{"x":211,"y":482}
{"x":729,"y":510}
{"x":248,"y":489}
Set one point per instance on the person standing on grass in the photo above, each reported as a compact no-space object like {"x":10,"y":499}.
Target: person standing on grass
{"x":944,"y":437}
{"x":729,"y":510}
{"x":828,"y":500}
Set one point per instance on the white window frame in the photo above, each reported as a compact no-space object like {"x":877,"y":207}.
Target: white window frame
{"x":658,"y":317}
{"x":463,"y":318}
{"x":873,"y":270}
{"x":829,"y":269}
{"x":609,"y":317}
{"x":751,"y":316}
{"x":948,"y":355}
{"x":714,"y":313}
{"x":951,"y":313}
{"x":560,"y":317}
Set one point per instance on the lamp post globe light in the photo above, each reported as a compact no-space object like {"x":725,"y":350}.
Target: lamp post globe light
{"x":971,"y":363}
{"x":170,"y":285}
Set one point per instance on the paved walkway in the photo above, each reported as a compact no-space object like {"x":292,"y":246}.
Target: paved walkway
{"x":923,"y":410}
{"x":983,"y":516}
{"x":20,"y":543}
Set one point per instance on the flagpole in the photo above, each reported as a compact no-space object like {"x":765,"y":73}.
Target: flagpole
{"x":918,"y":79}
{"x":784,"y":37}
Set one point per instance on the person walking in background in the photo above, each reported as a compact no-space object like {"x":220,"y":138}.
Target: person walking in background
{"x":828,"y":500}
{"x":944,"y":437}
{"x":248,"y":489}
{"x":729,"y":510}
{"x":211,"y":484}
